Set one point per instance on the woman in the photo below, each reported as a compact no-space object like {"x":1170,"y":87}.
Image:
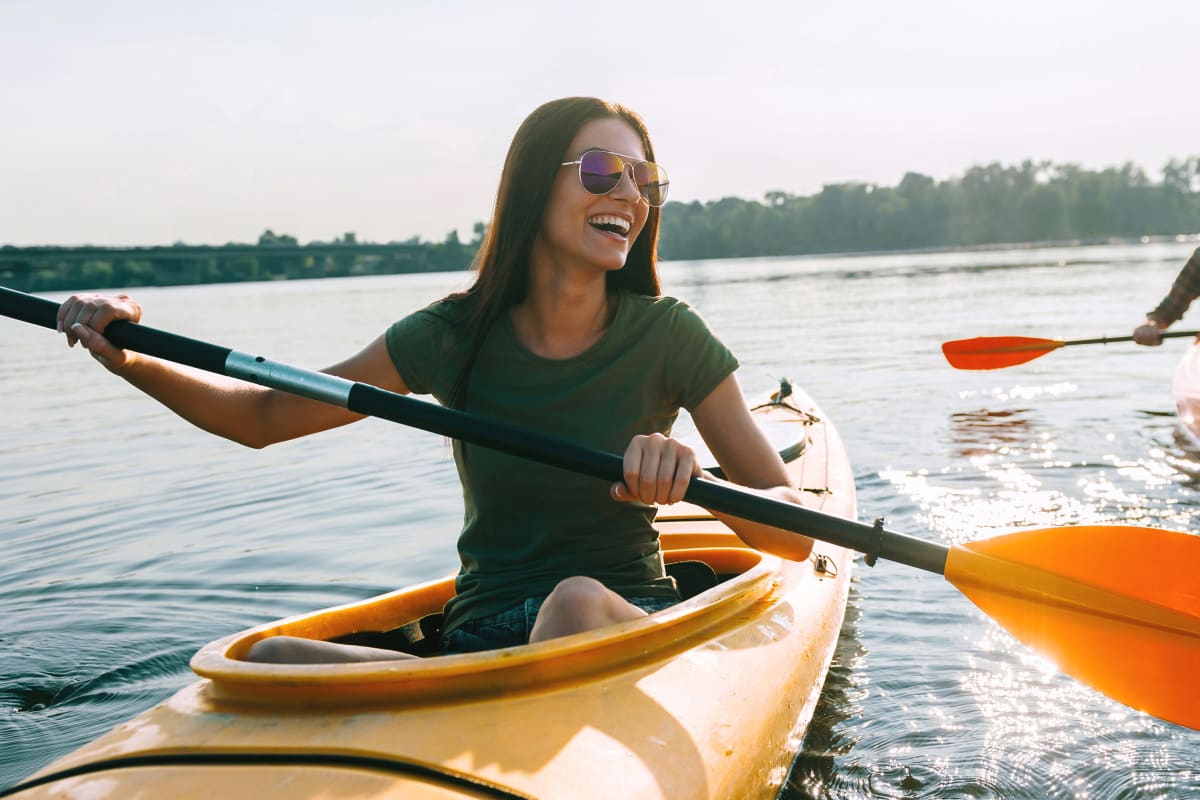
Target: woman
{"x":563,"y":330}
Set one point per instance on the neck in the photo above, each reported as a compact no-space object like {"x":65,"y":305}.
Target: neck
{"x":561,"y":317}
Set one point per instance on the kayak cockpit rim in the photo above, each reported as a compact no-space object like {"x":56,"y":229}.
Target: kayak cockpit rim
{"x":754,"y":576}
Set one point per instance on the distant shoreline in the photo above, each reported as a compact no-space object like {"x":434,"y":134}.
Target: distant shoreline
{"x":63,"y":268}
{"x":989,"y":207}
{"x":1182,"y":238}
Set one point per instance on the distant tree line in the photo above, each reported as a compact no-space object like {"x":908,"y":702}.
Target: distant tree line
{"x":274,"y":257}
{"x":987,"y":205}
{"x":993,"y":204}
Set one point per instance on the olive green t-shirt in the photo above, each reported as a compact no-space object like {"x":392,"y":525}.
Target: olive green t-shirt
{"x":527,"y":525}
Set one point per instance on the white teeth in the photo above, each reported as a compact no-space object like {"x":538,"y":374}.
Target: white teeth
{"x":608,"y":219}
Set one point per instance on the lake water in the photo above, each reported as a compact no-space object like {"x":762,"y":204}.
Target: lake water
{"x":131,"y":539}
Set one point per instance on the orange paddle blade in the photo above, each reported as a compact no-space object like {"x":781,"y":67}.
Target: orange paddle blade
{"x":995,"y":352}
{"x":1116,"y":607}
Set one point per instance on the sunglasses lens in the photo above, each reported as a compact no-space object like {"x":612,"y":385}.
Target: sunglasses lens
{"x":652,"y":182}
{"x":600,"y":172}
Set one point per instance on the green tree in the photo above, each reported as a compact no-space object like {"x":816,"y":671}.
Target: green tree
{"x":268,"y":238}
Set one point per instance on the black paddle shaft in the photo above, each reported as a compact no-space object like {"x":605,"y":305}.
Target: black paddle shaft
{"x":1112,"y":339}
{"x":362,"y":398}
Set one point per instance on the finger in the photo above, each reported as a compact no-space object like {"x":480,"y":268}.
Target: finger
{"x":687,"y":468}
{"x":631,"y":465}
{"x":86,"y":336}
{"x":132,"y":307}
{"x":97,"y":311}
{"x":77,"y":310}
{"x":667,"y":469}
{"x":71,"y":308}
{"x":58,"y":316}
{"x":649,"y":479}
{"x":65,"y":318}
{"x":100,"y":348}
{"x":97,"y":315}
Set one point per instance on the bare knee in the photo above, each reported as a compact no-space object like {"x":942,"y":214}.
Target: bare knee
{"x":276,"y":650}
{"x":579,"y":604}
{"x":579,"y":592}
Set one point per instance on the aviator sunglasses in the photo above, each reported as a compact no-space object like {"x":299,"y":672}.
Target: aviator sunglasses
{"x":601,"y":171}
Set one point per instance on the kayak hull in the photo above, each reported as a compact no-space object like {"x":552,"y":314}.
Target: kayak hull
{"x":1185,"y":388}
{"x":707,"y":699}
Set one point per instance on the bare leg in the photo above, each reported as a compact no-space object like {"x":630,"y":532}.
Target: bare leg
{"x":294,"y":650}
{"x":580,"y":604}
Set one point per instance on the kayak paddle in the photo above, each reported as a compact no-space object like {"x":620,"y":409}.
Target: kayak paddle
{"x":996,"y":352}
{"x":1116,"y":607}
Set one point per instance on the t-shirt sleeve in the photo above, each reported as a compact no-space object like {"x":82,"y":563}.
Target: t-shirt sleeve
{"x":698,"y":361}
{"x":416,"y":345}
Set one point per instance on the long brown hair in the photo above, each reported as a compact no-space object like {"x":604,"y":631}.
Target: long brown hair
{"x":502,"y":264}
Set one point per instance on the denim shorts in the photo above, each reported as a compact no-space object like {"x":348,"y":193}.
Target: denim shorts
{"x":512,"y":627}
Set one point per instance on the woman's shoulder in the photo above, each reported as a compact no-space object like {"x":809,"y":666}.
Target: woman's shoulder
{"x":662,"y":309}
{"x":437,"y":325}
{"x":452,"y":310}
{"x":663,"y":315}
{"x":446,"y":313}
{"x":653,"y":305}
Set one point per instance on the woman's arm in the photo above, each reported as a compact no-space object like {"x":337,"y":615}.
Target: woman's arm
{"x":749,"y":460}
{"x":658,"y":469}
{"x":251,"y":415}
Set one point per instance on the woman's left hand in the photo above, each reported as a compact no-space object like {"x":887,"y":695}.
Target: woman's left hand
{"x":657,"y":471}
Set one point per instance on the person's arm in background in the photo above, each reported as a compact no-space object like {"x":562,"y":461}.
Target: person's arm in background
{"x":1185,"y":289}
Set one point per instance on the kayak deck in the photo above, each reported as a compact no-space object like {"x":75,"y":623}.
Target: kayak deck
{"x":709,"y":698}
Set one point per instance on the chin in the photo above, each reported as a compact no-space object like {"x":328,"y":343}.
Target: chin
{"x":606,"y":262}
{"x":614,"y":267}
{"x":613,"y":261}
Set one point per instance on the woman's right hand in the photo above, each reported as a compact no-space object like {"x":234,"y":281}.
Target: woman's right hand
{"x":1148,"y":333}
{"x":658,"y":470}
{"x":83,"y":318}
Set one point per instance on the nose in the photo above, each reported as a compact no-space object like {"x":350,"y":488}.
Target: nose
{"x":627,"y":186}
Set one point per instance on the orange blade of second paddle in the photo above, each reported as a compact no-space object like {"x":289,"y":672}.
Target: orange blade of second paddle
{"x":1116,"y":607}
{"x":996,"y":352}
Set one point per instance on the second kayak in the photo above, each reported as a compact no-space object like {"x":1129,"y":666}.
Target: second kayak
{"x":1185,"y":388}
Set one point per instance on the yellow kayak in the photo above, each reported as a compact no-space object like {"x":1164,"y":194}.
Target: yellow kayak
{"x":707,"y":699}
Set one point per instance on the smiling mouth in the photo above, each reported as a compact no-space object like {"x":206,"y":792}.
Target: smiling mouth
{"x":610,"y":224}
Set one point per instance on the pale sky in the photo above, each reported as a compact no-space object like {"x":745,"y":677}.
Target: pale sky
{"x":138,"y":123}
